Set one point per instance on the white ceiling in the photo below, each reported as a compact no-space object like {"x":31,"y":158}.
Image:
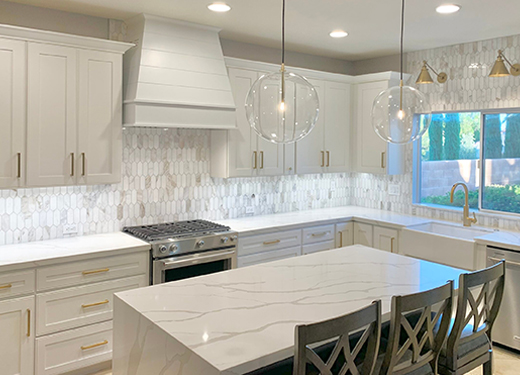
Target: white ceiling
{"x":373,"y":25}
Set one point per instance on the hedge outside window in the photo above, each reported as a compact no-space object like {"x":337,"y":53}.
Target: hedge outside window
{"x":450,"y":152}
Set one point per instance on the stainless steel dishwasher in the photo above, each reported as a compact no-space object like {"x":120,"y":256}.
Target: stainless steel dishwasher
{"x":506,"y":330}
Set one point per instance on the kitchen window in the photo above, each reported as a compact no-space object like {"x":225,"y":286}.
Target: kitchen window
{"x":481,"y":149}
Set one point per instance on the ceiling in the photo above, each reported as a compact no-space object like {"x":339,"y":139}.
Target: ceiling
{"x":373,"y":25}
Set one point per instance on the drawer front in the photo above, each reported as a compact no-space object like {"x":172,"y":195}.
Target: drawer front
{"x":90,"y":271}
{"x":269,"y":242}
{"x":17,"y":283}
{"x":78,"y":306}
{"x":75,"y":349}
{"x":270,"y":256}
{"x":318,"y":234}
{"x":320,"y":246}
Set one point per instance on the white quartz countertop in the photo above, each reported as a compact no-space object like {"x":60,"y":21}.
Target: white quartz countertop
{"x":260,"y":224}
{"x":66,"y":249}
{"x":240,"y":320}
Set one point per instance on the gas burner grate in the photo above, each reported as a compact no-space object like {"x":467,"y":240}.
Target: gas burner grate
{"x":189,"y":228}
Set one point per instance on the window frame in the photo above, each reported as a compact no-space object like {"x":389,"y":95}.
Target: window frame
{"x":417,"y":165}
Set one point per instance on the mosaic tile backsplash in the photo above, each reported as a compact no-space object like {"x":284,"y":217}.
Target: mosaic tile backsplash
{"x":166,"y":177}
{"x":166,"y":173}
{"x":468,"y":88}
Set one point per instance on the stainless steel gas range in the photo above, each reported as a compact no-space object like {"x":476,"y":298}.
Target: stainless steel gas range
{"x":186,"y":249}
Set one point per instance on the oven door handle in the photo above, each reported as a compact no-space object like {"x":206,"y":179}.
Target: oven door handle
{"x":172,"y":263}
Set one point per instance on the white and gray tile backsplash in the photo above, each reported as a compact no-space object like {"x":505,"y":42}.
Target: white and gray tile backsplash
{"x":468,"y":88}
{"x":166,"y":173}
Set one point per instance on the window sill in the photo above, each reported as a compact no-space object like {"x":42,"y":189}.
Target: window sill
{"x":497,"y":214}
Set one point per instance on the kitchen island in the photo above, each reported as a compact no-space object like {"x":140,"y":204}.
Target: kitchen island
{"x":236,"y":321}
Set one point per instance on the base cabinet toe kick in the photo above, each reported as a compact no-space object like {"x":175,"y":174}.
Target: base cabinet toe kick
{"x":57,"y":319}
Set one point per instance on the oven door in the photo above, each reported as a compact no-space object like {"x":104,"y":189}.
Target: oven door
{"x":192,"y":265}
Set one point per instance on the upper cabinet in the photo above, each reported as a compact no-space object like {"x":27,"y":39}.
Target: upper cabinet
{"x":72,"y":97}
{"x":372,"y":154}
{"x":242,"y":153}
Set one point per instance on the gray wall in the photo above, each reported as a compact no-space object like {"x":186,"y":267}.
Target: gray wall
{"x":53,"y":20}
{"x":255,"y":52}
{"x":376,"y":65}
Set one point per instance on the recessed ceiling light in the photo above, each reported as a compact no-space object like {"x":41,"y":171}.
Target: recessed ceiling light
{"x":219,"y":7}
{"x":338,"y":34}
{"x":448,"y":8}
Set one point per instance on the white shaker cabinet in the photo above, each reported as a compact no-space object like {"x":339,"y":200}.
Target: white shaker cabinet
{"x":373,"y":155}
{"x":17,"y":336}
{"x":363,"y":234}
{"x":241,"y":152}
{"x":51,"y":115}
{"x":12,"y":112}
{"x":386,"y":239}
{"x":344,"y":234}
{"x":100,"y":117}
{"x":327,"y":147}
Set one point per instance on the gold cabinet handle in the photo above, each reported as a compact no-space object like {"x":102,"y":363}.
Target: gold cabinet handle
{"x":328,"y":159}
{"x":322,"y":158}
{"x":28,"y":322}
{"x":261,"y":160}
{"x":255,"y":159}
{"x":383,"y":159}
{"x":96,"y":271}
{"x":271,"y":242}
{"x":94,"y":345}
{"x":72,"y":164}
{"x":95,"y":304}
{"x":392,"y":244}
{"x":19,"y":165}
{"x":340,"y":238}
{"x":83,"y":164}
{"x":6,"y":286}
{"x":318,"y":234}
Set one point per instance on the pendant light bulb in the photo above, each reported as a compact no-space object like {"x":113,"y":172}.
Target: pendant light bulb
{"x":401,"y":114}
{"x":282,"y":107}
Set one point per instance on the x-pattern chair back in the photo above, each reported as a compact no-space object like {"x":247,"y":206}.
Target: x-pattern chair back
{"x":343,"y":358}
{"x":412,"y":346}
{"x":478,"y":313}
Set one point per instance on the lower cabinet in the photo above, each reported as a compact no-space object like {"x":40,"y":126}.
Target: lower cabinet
{"x":17,"y":336}
{"x":363,"y":234}
{"x":319,"y":246}
{"x":270,"y":256}
{"x":74,"y":349}
{"x":386,"y":239}
{"x":344,"y":234}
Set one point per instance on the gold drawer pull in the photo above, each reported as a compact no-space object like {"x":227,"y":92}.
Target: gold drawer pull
{"x":96,"y":271}
{"x":6,"y":286}
{"x":318,"y":234}
{"x":95,"y":304}
{"x":19,"y":165}
{"x":271,"y":242}
{"x":94,"y":345}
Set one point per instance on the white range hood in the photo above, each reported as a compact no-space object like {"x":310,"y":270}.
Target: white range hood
{"x":176,"y":76}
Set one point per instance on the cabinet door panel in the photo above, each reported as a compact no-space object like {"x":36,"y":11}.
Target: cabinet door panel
{"x":363,"y":234}
{"x":12,"y":111}
{"x":17,"y":337}
{"x":100,"y":118}
{"x":337,"y":126}
{"x":242,"y":141}
{"x":51,"y":121}
{"x":320,"y":246}
{"x":271,"y":256}
{"x":344,"y":234}
{"x":371,"y":149}
{"x":385,"y":239}
{"x":310,"y":153}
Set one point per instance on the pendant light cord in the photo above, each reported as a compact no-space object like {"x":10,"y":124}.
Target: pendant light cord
{"x":402,"y":38}
{"x":283,"y":32}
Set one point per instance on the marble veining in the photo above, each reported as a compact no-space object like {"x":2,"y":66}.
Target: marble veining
{"x":243,"y":319}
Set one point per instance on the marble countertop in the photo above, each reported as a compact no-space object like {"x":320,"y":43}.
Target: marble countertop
{"x":40,"y":253}
{"x":259,"y":224}
{"x":243,"y":319}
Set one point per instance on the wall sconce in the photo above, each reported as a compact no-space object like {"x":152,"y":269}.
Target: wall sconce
{"x":500,"y":68}
{"x":425,"y":77}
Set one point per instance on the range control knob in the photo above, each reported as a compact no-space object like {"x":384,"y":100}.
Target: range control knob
{"x":200,"y":243}
{"x":234,"y":238}
{"x":163,"y":249}
{"x":224,"y":239}
{"x":173,"y":248}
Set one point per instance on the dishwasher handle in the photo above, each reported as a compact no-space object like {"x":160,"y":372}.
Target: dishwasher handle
{"x":497,"y":260}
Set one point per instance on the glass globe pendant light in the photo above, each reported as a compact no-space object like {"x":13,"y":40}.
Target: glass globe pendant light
{"x":282,"y":107}
{"x":401,"y":114}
